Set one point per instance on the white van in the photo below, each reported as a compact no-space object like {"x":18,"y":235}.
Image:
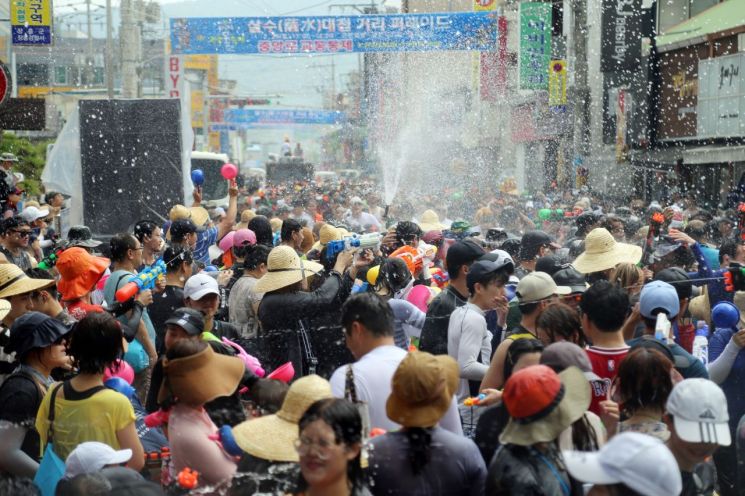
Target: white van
{"x":215,"y":187}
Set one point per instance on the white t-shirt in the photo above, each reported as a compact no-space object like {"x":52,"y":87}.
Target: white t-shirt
{"x":468,"y":340}
{"x":372,"y":379}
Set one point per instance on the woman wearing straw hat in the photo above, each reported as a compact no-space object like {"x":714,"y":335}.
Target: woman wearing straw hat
{"x":602,"y":253}
{"x":287,"y":305}
{"x":420,"y":458}
{"x":194,"y":375}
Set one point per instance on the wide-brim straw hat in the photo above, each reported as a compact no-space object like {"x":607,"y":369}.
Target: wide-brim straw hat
{"x":325,"y":234}
{"x":603,"y":252}
{"x":430,"y":221}
{"x":422,"y":389}
{"x":13,"y":281}
{"x":574,"y":403}
{"x":200,"y":216}
{"x":200,"y":378}
{"x":273,"y":437}
{"x":79,"y":271}
{"x":285,"y":268}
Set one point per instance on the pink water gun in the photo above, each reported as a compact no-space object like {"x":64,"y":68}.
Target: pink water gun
{"x":157,"y":418}
{"x":252,"y":363}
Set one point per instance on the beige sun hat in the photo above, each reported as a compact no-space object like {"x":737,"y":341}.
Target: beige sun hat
{"x":284,"y":268}
{"x":273,"y":437}
{"x":4,"y":308}
{"x":13,"y":281}
{"x":246,"y":217}
{"x":200,"y":216}
{"x":179,"y":212}
{"x":430,"y":221}
{"x":276,"y":224}
{"x":325,"y":234}
{"x":603,"y":252}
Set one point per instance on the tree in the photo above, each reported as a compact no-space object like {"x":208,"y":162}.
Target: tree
{"x":31,"y":159}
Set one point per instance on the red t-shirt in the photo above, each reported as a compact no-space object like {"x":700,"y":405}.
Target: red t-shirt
{"x":605,"y":362}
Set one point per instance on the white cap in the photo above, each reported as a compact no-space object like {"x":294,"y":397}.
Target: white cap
{"x":92,"y":456}
{"x":699,"y":410}
{"x":639,"y":461}
{"x":538,"y":286}
{"x":200,"y":285}
{"x":32,"y":213}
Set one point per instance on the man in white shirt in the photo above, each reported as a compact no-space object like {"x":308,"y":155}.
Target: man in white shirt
{"x":368,"y":329}
{"x":469,"y":340}
{"x":358,"y":220}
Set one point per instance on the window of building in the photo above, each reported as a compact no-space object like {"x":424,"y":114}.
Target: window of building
{"x":60,"y":75}
{"x":32,"y":74}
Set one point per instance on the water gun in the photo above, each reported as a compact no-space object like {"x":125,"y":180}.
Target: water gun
{"x":734,"y":278}
{"x":157,"y":418}
{"x":475,"y":401}
{"x":188,"y":478}
{"x":741,"y":220}
{"x":662,"y":328}
{"x":354,"y":242}
{"x":414,"y":257}
{"x":144,"y":280}
{"x":655,"y":225}
{"x":547,"y":214}
{"x":440,"y":278}
{"x":51,"y":260}
{"x":224,"y":437}
{"x":252,"y":363}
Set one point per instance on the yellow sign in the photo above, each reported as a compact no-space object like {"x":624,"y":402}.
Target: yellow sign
{"x":557,"y":83}
{"x":31,"y":22}
{"x":484,"y":5}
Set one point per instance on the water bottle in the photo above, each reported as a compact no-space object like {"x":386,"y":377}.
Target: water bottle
{"x":701,"y":342}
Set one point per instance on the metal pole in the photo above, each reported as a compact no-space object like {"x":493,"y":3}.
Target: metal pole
{"x":109,"y":52}
{"x":581,"y":140}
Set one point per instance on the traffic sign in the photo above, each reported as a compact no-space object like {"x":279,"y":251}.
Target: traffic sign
{"x":6,"y":84}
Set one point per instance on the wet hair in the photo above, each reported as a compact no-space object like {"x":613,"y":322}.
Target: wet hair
{"x":627,"y":275}
{"x":606,"y":305}
{"x":50,"y":196}
{"x":263,"y":229}
{"x":696,"y":229}
{"x":37,"y":273}
{"x":289,"y":227}
{"x":90,"y":484}
{"x":644,"y":380}
{"x":393,"y":274}
{"x":267,"y":395}
{"x":518,"y":348}
{"x":371,"y":311}
{"x":144,"y":228}
{"x":729,"y":248}
{"x":255,"y":256}
{"x":343,"y":417}
{"x":175,"y":256}
{"x":406,"y":229}
{"x":12,"y":223}
{"x":560,"y":320}
{"x":185,"y":347}
{"x":501,"y":277}
{"x":95,"y":342}
{"x":120,"y":244}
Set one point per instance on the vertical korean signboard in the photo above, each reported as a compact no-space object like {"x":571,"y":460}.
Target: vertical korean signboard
{"x":31,"y":22}
{"x":535,"y":45}
{"x":621,"y":49}
{"x":557,"y":84}
{"x":175,"y":76}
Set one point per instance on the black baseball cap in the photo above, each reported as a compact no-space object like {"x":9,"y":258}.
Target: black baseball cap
{"x":531,"y":243}
{"x":550,"y":264}
{"x":190,"y":320}
{"x":463,"y":253}
{"x":570,"y":277}
{"x":482,"y":270}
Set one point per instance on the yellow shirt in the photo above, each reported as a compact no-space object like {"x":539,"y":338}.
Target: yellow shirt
{"x":97,"y":418}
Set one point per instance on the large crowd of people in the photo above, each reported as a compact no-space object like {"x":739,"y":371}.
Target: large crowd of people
{"x":306,"y":339}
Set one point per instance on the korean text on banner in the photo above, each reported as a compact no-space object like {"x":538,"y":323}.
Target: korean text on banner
{"x":557,"y":83}
{"x":484,"y":5}
{"x":31,"y":22}
{"x":335,"y":34}
{"x":254,"y":117}
{"x":535,"y":45}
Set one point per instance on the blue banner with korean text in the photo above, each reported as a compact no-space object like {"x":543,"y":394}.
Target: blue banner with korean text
{"x":261,"y":117}
{"x":333,"y":34}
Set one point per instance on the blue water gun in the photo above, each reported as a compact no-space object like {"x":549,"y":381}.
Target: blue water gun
{"x":144,"y":280}
{"x":361,"y":242}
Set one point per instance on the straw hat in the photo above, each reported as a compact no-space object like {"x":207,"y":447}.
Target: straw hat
{"x":422,"y":389}
{"x":246,"y":217}
{"x":542,"y":403}
{"x":79,"y":271}
{"x":325,"y":234}
{"x":273,"y":437}
{"x":13,"y":281}
{"x":308,"y":240}
{"x":430,"y":221}
{"x":284,"y":268}
{"x":199,"y":216}
{"x":179,"y":212}
{"x":200,"y":378}
{"x":276,"y":224}
{"x":603,"y":252}
{"x":5,"y":307}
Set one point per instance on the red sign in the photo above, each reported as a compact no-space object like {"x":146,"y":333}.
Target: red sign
{"x":6,"y":84}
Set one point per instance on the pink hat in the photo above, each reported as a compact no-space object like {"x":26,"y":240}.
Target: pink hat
{"x":419,"y":296}
{"x":244,"y":237}
{"x":120,"y":368}
{"x":226,"y":242}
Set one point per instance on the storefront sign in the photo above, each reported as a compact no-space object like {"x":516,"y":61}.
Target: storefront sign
{"x":621,"y":35}
{"x":535,"y":45}
{"x":679,"y":92}
{"x":31,"y":22}
{"x":174,"y":76}
{"x":335,"y":34}
{"x":266,"y":116}
{"x":721,"y":97}
{"x":557,"y":83}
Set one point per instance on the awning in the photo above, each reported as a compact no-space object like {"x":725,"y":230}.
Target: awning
{"x":721,"y":17}
{"x":714,"y":155}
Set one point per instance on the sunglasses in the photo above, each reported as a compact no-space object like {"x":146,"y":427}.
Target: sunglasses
{"x":22,"y":234}
{"x":577,"y":298}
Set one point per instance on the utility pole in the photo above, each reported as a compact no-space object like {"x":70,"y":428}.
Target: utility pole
{"x":333,"y":84}
{"x":89,"y":55}
{"x":109,"y":53}
{"x":581,"y":135}
{"x":131,"y":48}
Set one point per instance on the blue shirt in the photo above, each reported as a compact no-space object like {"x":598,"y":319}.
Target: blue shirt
{"x":205,"y":239}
